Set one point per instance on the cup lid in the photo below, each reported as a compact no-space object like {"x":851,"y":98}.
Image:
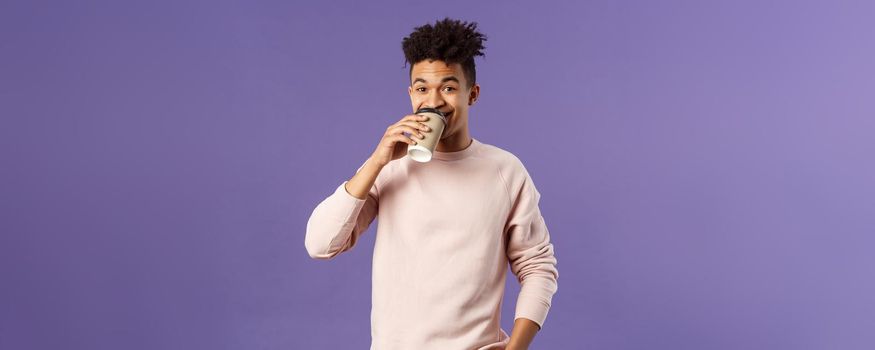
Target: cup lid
{"x":430,"y":110}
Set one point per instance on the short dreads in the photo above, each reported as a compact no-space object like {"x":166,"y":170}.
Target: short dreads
{"x":448,"y":40}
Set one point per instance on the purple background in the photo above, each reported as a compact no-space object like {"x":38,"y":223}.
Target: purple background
{"x":706,"y":169}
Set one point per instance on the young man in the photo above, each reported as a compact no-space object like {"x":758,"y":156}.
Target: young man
{"x":447,"y":228}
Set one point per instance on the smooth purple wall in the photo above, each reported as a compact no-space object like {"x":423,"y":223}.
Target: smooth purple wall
{"x":707,"y":169}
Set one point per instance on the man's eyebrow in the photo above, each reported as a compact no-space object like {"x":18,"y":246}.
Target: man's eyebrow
{"x":445,"y":79}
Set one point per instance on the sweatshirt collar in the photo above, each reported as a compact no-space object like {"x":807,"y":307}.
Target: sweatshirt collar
{"x":468,"y":151}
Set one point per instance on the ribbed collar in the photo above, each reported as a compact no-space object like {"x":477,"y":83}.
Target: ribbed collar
{"x":465,"y":153}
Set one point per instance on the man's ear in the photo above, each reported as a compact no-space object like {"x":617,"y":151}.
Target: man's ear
{"x":475,"y":93}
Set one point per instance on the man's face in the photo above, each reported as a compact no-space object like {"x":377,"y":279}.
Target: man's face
{"x":438,"y":85}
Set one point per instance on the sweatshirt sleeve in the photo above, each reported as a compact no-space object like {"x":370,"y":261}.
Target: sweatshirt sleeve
{"x":337,"y":222}
{"x":529,"y":250}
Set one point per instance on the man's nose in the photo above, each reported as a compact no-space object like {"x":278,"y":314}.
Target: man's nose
{"x":434,"y":100}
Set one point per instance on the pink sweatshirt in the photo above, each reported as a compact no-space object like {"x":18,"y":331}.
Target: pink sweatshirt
{"x":447,"y":231}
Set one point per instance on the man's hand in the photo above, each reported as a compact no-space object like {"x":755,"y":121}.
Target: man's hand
{"x":394,"y":143}
{"x":392,"y":146}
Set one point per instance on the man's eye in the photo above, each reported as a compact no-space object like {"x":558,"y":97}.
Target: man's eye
{"x":420,"y":89}
{"x":450,"y":88}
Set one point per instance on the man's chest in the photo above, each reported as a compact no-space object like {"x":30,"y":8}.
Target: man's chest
{"x":461,"y":201}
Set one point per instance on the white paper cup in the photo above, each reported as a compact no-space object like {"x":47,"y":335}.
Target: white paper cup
{"x":423,"y":150}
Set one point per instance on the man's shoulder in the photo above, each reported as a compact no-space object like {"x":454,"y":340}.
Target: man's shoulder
{"x":511,"y":170}
{"x":506,"y":159}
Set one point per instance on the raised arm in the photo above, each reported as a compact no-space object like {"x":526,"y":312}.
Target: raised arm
{"x":337,"y":222}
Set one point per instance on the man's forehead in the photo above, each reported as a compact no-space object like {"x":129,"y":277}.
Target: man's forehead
{"x":436,"y":71}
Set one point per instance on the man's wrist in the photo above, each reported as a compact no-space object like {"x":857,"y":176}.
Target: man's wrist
{"x":374,"y":163}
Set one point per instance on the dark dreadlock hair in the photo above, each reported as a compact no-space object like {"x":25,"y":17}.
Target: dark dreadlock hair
{"x":448,"y":40}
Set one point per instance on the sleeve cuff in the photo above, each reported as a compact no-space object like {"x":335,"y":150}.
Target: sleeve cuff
{"x":536,"y":312}
{"x":534,"y":302}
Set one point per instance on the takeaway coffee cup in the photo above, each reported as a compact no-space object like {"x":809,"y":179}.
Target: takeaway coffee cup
{"x":423,"y":149}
